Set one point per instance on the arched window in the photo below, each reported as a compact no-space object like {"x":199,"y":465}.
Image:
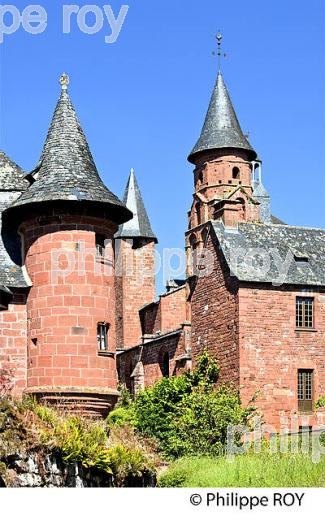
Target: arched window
{"x":235,"y":173}
{"x":200,"y":178}
{"x":165,"y":365}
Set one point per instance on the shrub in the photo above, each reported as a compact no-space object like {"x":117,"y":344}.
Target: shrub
{"x":186,"y":414}
{"x":321,"y":402}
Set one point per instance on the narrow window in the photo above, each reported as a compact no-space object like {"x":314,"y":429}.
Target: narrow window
{"x":100,"y":244}
{"x":198,"y":213}
{"x":165,"y":365}
{"x":235,"y":173}
{"x":102,"y":336}
{"x":305,"y":390}
{"x":304,"y":313}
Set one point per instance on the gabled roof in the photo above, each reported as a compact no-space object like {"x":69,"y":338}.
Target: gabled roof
{"x":280,"y":246}
{"x":221,"y":127}
{"x":12,"y":177}
{"x":66,"y":170}
{"x":139,"y":226}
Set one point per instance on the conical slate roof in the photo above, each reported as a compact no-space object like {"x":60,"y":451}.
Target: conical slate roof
{"x":221,"y":127}
{"x":66,"y":171}
{"x":139,"y":226}
{"x":12,"y":177}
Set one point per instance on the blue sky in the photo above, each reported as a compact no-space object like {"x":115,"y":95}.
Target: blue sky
{"x":142,"y":100}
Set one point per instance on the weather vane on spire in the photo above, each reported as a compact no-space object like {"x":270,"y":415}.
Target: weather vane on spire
{"x":219,"y":52}
{"x":64,"y":81}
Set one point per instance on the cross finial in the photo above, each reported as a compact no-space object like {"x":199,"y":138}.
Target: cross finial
{"x":219,"y":50}
{"x":64,"y":81}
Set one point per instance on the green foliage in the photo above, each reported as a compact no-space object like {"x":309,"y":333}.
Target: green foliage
{"x":186,"y":414}
{"x":321,"y":402}
{"x":263,"y":469}
{"x":48,"y":415}
{"x":83,"y":441}
{"x":126,"y":463}
{"x":114,"y":450}
{"x":121,"y":416}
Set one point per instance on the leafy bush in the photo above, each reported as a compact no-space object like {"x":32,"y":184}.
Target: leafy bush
{"x":321,"y":402}
{"x":187,"y":414}
{"x":121,"y":416}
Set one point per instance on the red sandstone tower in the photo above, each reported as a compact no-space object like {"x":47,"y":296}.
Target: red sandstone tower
{"x":135,"y":267}
{"x":225,"y":168}
{"x":67,"y":219}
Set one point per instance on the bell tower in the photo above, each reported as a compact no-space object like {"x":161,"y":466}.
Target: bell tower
{"x":224,"y":164}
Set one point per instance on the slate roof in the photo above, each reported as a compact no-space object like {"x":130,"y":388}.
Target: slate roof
{"x":66,"y":170}
{"x":12,"y":183}
{"x":221,"y":127}
{"x":139,"y":226}
{"x":285,"y":247}
{"x":12,"y":177}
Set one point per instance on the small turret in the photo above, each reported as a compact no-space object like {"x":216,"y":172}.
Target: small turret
{"x":67,"y":219}
{"x":135,"y":267}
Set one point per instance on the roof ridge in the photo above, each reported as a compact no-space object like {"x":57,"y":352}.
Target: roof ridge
{"x":271,"y":224}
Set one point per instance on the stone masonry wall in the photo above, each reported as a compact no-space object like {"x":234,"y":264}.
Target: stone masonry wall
{"x":214,"y":304}
{"x":150,"y":355}
{"x":135,"y":287}
{"x":272,"y":350}
{"x":13,"y":342}
{"x":67,"y":301}
{"x":166,"y":315}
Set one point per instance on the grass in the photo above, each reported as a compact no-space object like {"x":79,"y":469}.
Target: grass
{"x":249,"y":470}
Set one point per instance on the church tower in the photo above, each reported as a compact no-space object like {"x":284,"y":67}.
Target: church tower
{"x":135,"y":267}
{"x":225,"y":165}
{"x":67,"y":219}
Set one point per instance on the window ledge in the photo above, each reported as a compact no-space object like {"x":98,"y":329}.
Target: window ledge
{"x":306,"y":329}
{"x":105,"y":353}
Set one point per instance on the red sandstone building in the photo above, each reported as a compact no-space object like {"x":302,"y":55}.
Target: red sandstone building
{"x":77,"y":278}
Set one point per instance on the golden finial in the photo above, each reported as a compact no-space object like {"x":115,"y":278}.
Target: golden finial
{"x":64,"y":81}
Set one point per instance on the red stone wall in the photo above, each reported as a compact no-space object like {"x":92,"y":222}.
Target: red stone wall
{"x":151,"y":356}
{"x":272,"y":350}
{"x":63,"y":311}
{"x":173,"y":309}
{"x":213,"y":179}
{"x":150,"y":317}
{"x":166,"y":315}
{"x":135,"y":287}
{"x":214,"y":303}
{"x":13,"y":342}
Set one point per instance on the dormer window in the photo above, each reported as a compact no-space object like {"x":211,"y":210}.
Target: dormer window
{"x":235,"y":173}
{"x":301,"y":258}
